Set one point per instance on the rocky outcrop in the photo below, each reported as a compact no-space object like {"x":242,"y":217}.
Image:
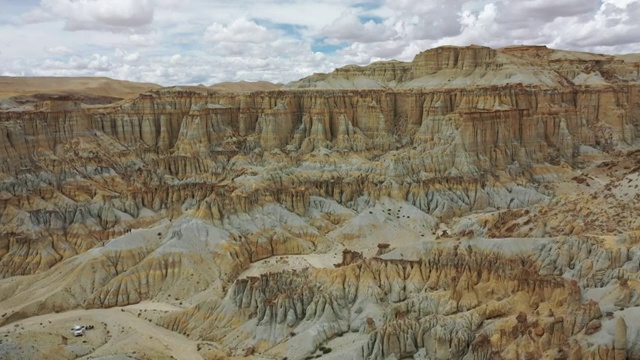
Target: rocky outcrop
{"x":471,"y":66}
{"x":484,"y":202}
{"x":377,"y":75}
{"x":452,"y":58}
{"x":440,"y":306}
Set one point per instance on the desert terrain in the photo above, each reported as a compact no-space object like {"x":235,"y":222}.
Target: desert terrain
{"x":474,"y":203}
{"x":14,"y":86}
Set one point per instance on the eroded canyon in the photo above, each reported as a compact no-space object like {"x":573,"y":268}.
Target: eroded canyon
{"x":475,"y":203}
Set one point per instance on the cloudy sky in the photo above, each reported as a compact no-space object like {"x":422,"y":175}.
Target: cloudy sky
{"x":208,"y":41}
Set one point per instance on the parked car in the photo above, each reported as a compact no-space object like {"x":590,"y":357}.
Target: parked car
{"x":78,"y":330}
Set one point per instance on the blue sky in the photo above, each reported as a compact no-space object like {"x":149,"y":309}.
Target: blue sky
{"x":208,"y":41}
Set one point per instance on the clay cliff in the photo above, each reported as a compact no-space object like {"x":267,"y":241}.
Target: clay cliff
{"x":479,"y":66}
{"x":474,"y":203}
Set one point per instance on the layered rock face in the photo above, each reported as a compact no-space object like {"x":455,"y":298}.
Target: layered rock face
{"x":472,"y":204}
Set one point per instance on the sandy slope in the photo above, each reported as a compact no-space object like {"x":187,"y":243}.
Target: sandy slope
{"x":127,"y":332}
{"x":96,"y":86}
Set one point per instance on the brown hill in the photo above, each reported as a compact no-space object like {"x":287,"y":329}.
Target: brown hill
{"x":95,"y":86}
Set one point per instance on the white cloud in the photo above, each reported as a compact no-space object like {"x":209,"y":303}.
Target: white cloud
{"x":362,"y":53}
{"x":95,"y":62}
{"x":348,"y":27}
{"x":241,"y":30}
{"x":79,"y":65}
{"x":207,"y":41}
{"x":413,"y":6}
{"x":478,"y":28}
{"x":175,"y":59}
{"x":127,"y":57}
{"x":428,"y":20}
{"x":111,"y":15}
{"x":313,"y":15}
{"x":550,"y":9}
{"x":614,"y":24}
{"x":37,"y":15}
{"x":57,"y":50}
{"x":143,"y":40}
{"x":621,"y":3}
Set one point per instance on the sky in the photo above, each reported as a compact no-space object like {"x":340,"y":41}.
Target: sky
{"x":191,"y":42}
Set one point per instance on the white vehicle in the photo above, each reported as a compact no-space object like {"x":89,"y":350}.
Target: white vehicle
{"x":78,"y":330}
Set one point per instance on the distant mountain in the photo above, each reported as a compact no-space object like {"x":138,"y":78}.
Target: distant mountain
{"x":96,"y":86}
{"x":242,"y":86}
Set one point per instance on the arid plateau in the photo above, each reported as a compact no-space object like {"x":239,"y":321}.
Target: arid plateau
{"x":474,"y":203}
